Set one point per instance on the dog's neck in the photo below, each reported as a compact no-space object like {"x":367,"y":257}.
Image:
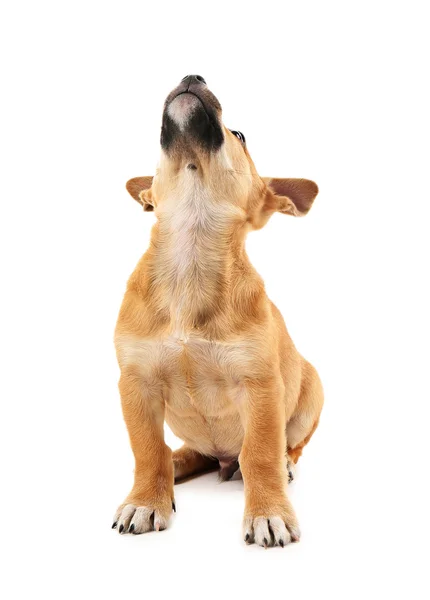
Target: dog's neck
{"x":198,"y":247}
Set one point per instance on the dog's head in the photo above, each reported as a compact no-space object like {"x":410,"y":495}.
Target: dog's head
{"x":199,"y":152}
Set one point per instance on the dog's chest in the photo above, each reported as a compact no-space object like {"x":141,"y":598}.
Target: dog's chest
{"x":205,"y":371}
{"x":201,"y":384}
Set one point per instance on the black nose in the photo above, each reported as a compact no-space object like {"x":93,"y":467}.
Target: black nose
{"x":193,"y":79}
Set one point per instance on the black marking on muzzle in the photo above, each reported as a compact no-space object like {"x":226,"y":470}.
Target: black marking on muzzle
{"x":203,"y":129}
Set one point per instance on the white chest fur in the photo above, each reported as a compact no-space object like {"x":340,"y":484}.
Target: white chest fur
{"x":190,"y":357}
{"x":195,"y":231}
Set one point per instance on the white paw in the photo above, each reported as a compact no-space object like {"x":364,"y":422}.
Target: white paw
{"x":269,"y":531}
{"x":140,"y":519}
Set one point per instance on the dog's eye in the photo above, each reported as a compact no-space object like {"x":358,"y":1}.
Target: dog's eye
{"x":239,"y":135}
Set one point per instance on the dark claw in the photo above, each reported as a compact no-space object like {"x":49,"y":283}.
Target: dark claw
{"x":131,"y":528}
{"x":281,"y":543}
{"x":265,"y":542}
{"x":114,"y":525}
{"x":290,"y":476}
{"x":121,"y":528}
{"x":246,"y":537}
{"x":173,"y":506}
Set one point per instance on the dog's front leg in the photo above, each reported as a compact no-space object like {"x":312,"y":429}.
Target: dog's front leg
{"x":269,"y":517}
{"x":150,"y":502}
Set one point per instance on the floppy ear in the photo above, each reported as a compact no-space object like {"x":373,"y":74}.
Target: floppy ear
{"x":140,"y":189}
{"x":290,"y":196}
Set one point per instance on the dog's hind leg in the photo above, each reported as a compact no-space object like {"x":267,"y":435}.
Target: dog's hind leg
{"x":189,"y":463}
{"x":304,"y":420}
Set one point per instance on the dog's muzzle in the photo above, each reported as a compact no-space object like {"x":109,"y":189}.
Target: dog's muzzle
{"x":192,"y":116}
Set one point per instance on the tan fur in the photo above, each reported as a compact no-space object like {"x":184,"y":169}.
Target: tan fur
{"x":201,"y":346}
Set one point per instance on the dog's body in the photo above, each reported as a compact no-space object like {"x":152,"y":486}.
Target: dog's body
{"x":198,"y":342}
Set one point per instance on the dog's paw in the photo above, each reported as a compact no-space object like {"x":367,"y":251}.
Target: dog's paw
{"x":268,"y":531}
{"x":140,"y":517}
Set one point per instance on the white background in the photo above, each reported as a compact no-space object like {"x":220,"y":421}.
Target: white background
{"x":336,"y":92}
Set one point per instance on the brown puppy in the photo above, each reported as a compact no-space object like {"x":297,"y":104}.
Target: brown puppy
{"x":199,"y":344}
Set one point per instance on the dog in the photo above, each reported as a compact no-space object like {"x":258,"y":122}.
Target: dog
{"x":198,"y":342}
